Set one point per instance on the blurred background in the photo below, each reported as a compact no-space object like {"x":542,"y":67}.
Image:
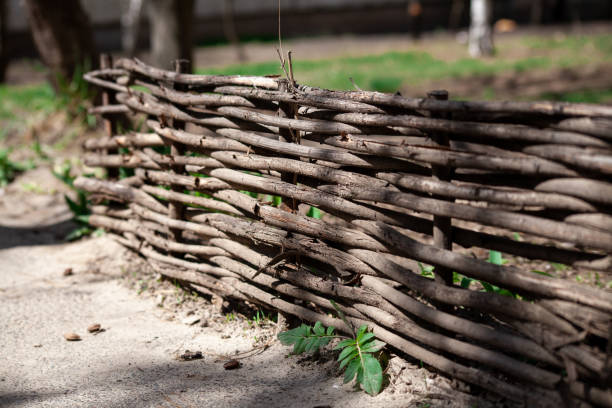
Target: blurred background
{"x":475,"y":49}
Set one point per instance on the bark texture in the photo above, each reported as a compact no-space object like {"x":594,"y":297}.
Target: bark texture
{"x":481,"y":30}
{"x":171,"y":31}
{"x":63,"y":37}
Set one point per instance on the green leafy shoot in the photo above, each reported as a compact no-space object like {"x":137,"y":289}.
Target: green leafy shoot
{"x":260,"y":318}
{"x":558,"y":266}
{"x":359,"y":355}
{"x":79,"y":208}
{"x":314,"y":212}
{"x":80,"y":212}
{"x":495,"y":257}
{"x":62,"y":172}
{"x":426,"y":270}
{"x":306,"y":338}
{"x":249,"y":193}
{"x":463,"y":281}
{"x":9,"y":169}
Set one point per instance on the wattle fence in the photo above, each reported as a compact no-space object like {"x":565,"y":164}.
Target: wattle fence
{"x":263,"y":190}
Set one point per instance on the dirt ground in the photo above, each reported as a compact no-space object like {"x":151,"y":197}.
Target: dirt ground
{"x":147,"y":325}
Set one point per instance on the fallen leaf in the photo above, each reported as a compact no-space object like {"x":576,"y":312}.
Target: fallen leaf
{"x":72,"y":337}
{"x":232,"y":365}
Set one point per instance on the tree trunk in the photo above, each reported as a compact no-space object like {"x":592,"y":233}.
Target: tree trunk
{"x":229,"y":28}
{"x":63,"y":37}
{"x":3,"y":53}
{"x":481,"y":35}
{"x":537,"y":12}
{"x":171,"y":32}
{"x":130,"y":27}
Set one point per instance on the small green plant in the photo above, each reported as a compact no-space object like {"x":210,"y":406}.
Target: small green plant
{"x":496,"y":258}
{"x":79,"y":208}
{"x":463,"y":281}
{"x":559,"y":267}
{"x":38,"y":150}
{"x":426,"y":270}
{"x":250,"y":193}
{"x":259,"y":319}
{"x":9,"y":169}
{"x":73,"y":95}
{"x":598,"y":281}
{"x":359,"y":356}
{"x":314,"y":212}
{"x":230,"y":317}
{"x":33,"y":187}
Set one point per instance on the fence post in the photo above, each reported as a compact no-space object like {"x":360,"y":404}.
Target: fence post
{"x":442,"y":228}
{"x":288,"y":110}
{"x":106,"y":61}
{"x":175,"y":208}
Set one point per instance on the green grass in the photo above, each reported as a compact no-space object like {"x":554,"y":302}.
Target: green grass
{"x":16,"y":100}
{"x":587,"y":96}
{"x":393,"y":70}
{"x":23,"y":105}
{"x":386,"y":72}
{"x":9,"y":169}
{"x":575,"y":43}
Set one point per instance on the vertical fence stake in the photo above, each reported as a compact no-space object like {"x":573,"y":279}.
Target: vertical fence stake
{"x":106,"y":61}
{"x":442,"y":228}
{"x":287,"y":110}
{"x":175,"y":208}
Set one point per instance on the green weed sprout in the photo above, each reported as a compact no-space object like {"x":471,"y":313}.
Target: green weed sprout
{"x":358,"y":356}
{"x":9,"y":169}
{"x":79,"y":208}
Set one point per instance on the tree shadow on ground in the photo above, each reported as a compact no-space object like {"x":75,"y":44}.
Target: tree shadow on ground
{"x":201,"y":383}
{"x":204,"y":383}
{"x":55,"y":233}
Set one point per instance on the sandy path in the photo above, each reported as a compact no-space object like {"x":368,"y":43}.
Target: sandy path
{"x":133,"y":363}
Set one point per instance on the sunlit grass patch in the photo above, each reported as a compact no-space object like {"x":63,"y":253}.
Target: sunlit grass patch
{"x":16,"y":100}
{"x":387,"y":72}
{"x":586,"y":96}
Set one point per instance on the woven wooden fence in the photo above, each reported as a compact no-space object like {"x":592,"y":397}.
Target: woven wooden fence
{"x":259,"y":189}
